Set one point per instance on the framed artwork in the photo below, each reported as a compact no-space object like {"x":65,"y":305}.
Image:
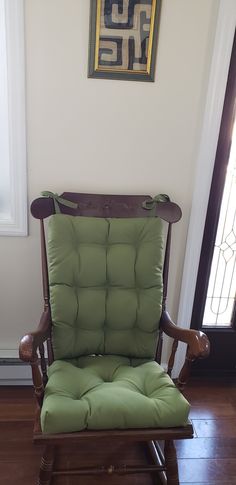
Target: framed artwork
{"x":123,"y":39}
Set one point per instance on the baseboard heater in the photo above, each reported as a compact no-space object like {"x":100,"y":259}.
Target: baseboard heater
{"x":14,"y":372}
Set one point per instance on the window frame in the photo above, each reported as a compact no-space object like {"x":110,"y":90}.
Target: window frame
{"x":16,"y":224}
{"x":222,"y":49}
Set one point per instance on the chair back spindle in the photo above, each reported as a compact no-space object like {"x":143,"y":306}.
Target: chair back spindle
{"x":45,"y":282}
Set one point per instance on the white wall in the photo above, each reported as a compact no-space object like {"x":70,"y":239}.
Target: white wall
{"x":105,"y":136}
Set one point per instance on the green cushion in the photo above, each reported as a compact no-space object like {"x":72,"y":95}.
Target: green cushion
{"x":105,"y":279}
{"x":106,"y":392}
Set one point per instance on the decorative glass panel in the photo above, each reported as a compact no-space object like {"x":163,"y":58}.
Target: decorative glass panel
{"x":220,"y":299}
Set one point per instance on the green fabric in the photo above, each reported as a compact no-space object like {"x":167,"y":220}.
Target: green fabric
{"x":106,"y":392}
{"x":105,"y":278}
{"x":151,"y":203}
{"x":59,"y":200}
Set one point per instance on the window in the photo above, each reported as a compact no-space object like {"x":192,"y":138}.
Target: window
{"x":13,"y":192}
{"x":220,"y":299}
{"x":214,"y":308}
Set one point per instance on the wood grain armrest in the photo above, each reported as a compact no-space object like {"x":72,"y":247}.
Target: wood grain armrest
{"x":197,"y":341}
{"x":31,"y":341}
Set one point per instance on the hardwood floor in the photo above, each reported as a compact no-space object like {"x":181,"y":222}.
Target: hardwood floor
{"x":210,"y":458}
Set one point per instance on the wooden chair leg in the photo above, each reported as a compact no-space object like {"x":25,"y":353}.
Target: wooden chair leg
{"x":172,"y":473}
{"x":46,"y":467}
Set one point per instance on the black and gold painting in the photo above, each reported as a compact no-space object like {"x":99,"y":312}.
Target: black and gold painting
{"x":123,"y":39}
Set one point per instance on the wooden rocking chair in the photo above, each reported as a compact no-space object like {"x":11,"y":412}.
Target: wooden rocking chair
{"x":105,"y":272}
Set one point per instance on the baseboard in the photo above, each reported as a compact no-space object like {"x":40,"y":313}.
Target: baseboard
{"x":13,"y":372}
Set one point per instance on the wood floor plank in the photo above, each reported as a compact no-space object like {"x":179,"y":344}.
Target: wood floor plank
{"x":215,"y":428}
{"x":212,"y":395}
{"x":14,"y":431}
{"x":211,"y":471}
{"x":206,"y":448}
{"x":218,"y":482}
{"x":14,"y":392}
{"x":16,"y":404}
{"x":16,"y":411}
{"x":16,"y":472}
{"x":212,"y":410}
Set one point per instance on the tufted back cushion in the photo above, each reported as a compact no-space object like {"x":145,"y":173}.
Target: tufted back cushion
{"x":105,"y":278}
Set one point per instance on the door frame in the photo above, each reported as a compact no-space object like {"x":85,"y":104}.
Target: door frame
{"x":224,"y":36}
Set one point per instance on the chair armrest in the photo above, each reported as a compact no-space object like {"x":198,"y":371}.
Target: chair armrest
{"x":28,"y":353}
{"x":198,"y":346}
{"x":198,"y":343}
{"x":31,"y":341}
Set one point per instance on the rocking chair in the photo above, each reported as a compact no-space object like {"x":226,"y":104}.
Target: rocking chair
{"x":105,"y":272}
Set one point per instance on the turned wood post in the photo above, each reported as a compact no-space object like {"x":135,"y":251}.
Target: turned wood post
{"x":45,"y":281}
{"x":43,"y":364}
{"x":37,"y":381}
{"x":172,"y":357}
{"x":46,"y":467}
{"x":185,"y":371}
{"x":172,"y":474}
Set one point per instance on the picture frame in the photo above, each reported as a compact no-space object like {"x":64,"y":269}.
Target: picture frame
{"x":123,"y":39}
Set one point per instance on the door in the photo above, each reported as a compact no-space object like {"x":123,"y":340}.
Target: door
{"x":214,"y":308}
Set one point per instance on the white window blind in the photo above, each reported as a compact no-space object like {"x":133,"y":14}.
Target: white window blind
{"x":13,"y":188}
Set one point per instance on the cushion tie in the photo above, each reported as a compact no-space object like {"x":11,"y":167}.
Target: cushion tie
{"x":150,"y":204}
{"x":59,"y":200}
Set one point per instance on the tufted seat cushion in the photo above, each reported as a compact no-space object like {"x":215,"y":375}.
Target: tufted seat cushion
{"x":108,"y":392}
